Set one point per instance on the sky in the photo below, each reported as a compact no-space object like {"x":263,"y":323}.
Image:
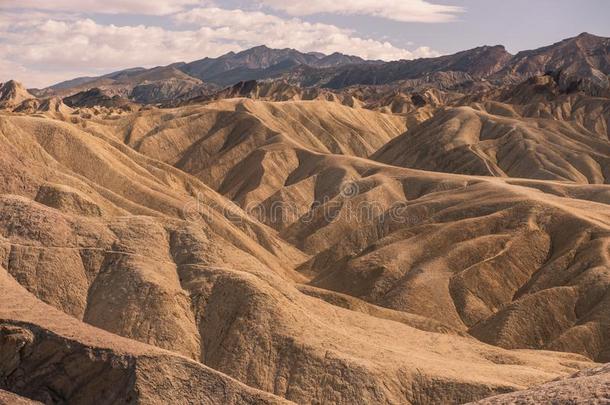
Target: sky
{"x":44,"y":42}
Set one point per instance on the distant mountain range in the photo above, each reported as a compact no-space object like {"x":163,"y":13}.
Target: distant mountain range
{"x":581,"y":62}
{"x":203,"y":76}
{"x":261,"y":62}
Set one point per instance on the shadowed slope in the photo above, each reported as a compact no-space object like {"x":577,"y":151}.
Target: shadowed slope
{"x":421,"y":233}
{"x":112,"y":247}
{"x":514,"y":266}
{"x":470,"y":141}
{"x":245,"y":149}
{"x":53,"y":358}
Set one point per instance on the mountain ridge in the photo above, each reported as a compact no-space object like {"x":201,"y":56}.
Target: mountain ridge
{"x":585,"y":65}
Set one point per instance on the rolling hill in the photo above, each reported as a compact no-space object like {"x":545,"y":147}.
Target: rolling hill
{"x":427,"y":231}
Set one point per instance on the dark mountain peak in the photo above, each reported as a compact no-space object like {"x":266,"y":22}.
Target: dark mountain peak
{"x":264,"y":50}
{"x":255,"y":63}
{"x":318,"y":55}
{"x":484,"y":48}
{"x":580,"y":63}
{"x":577,"y":43}
{"x":583,"y":39}
{"x":259,"y":47}
{"x":481,"y":61}
{"x":338,"y":59}
{"x":586,"y":35}
{"x":264,"y":56}
{"x":124,"y":72}
{"x":254,"y":50}
{"x":499,"y":49}
{"x":591,"y":40}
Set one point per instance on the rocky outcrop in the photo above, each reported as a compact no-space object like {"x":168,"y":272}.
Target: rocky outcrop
{"x":97,"y":97}
{"x":12,"y":94}
{"x":49,"y":357}
{"x":8,"y":398}
{"x":585,"y":387}
{"x":67,"y":199}
{"x":579,"y":63}
{"x":499,"y":142}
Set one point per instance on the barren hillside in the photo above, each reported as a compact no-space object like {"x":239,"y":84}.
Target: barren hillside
{"x":100,"y":232}
{"x":532,"y":130}
{"x":443,"y":238}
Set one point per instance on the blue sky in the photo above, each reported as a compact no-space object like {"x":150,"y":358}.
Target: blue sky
{"x":516,"y":24}
{"x":45,"y":42}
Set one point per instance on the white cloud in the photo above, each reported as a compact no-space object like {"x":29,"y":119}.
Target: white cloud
{"x":87,"y":44}
{"x":399,"y":10}
{"x":253,"y":28}
{"x":41,"y":48}
{"x":153,"y":7}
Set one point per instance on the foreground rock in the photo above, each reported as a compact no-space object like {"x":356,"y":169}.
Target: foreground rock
{"x":8,"y":398}
{"x":586,"y":387}
{"x":52,"y":358}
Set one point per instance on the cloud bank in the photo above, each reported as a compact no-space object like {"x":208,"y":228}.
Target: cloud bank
{"x":41,"y":47}
{"x":252,"y":28}
{"x":147,"y":7}
{"x":399,"y":10}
